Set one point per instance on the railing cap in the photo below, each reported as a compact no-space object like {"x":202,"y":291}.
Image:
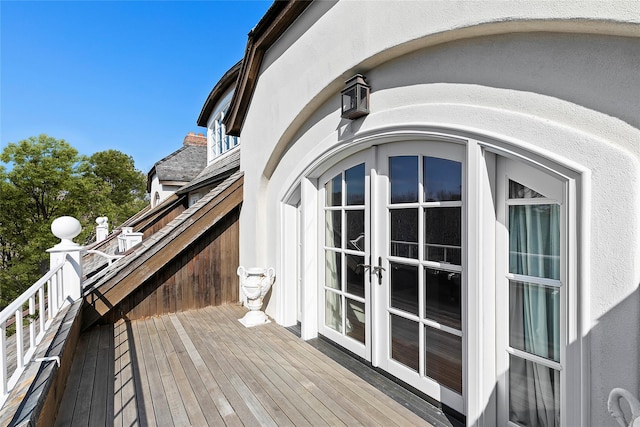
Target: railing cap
{"x":65,"y":228}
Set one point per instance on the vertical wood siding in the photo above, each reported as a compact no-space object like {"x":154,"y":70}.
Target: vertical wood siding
{"x":202,"y":275}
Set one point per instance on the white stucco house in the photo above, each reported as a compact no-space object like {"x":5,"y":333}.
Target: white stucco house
{"x":475,"y":233}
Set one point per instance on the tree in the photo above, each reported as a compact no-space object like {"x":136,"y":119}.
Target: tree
{"x":125,"y":186}
{"x":47,"y":178}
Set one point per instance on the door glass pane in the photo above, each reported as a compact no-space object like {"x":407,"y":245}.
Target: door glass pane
{"x":443,"y":302}
{"x":443,"y":358}
{"x":355,"y":275}
{"x":333,"y":228}
{"x":403,"y":174}
{"x":354,"y":183}
{"x":534,"y":398}
{"x":442,"y":179}
{"x":355,"y":230}
{"x":355,"y":320}
{"x":332,"y":268}
{"x":534,"y":240}
{"x":334,"y":191}
{"x":333,"y":310}
{"x":405,"y":341}
{"x":534,"y":319}
{"x":404,"y":233}
{"x":443,"y":234}
{"x":404,"y":287}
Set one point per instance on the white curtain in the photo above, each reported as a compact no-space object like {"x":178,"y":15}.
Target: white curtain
{"x":534,"y":247}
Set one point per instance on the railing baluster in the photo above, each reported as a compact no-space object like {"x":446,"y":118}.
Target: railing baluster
{"x":60,"y":290}
{"x":52,"y":295}
{"x":19,"y":340}
{"x":42,"y":315}
{"x":53,"y":304}
{"x":32,"y":324}
{"x":3,"y":359}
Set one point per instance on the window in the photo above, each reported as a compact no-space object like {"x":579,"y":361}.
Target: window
{"x":220,"y":141}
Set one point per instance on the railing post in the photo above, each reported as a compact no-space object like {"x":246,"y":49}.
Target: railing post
{"x":102,"y":229}
{"x":66,"y":228}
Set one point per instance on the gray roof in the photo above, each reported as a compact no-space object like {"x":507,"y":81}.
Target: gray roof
{"x":217,"y":170}
{"x":183,"y":164}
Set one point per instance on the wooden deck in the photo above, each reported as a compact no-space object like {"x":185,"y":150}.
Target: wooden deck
{"x":202,"y":367}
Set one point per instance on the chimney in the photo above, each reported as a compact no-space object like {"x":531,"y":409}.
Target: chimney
{"x":195,"y":139}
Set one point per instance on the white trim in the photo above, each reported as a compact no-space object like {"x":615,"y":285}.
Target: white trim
{"x":287,"y":313}
{"x":311,"y":238}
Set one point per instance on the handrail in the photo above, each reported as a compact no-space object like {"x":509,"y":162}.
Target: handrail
{"x":110,"y":258}
{"x":12,"y":348}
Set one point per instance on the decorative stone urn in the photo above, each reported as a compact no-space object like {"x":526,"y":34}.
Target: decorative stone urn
{"x":613,"y":404}
{"x":255,"y":283}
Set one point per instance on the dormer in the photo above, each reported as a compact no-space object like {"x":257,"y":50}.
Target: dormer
{"x":218,"y":142}
{"x":213,"y":113}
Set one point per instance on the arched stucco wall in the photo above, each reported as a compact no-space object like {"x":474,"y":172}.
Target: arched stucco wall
{"x":569,"y":97}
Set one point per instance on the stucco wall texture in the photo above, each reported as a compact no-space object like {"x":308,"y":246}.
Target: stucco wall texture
{"x":559,"y":78}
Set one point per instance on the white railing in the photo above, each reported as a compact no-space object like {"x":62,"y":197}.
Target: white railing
{"x":27,"y":319}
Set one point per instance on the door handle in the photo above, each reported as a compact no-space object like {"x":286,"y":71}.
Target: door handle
{"x":378,"y":269}
{"x":375,"y":269}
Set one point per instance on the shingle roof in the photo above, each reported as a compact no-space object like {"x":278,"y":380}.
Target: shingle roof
{"x":183,"y":164}
{"x":217,"y":170}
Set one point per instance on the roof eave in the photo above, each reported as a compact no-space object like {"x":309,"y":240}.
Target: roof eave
{"x":224,"y":84}
{"x":273,"y":24}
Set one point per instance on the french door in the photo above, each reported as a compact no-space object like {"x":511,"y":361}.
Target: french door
{"x":393,"y":275}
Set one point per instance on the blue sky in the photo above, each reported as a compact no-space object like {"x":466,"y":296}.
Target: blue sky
{"x":124,"y":75}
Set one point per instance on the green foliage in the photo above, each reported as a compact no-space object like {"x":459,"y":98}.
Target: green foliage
{"x":124,"y":186}
{"x":47,"y":178}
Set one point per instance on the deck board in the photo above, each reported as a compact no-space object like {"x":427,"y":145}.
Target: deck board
{"x":202,"y":367}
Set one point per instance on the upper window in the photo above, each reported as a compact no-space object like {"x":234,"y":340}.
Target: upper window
{"x":220,"y":141}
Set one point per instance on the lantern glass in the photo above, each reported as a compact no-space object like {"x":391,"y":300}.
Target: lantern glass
{"x":355,"y":98}
{"x":349,"y":99}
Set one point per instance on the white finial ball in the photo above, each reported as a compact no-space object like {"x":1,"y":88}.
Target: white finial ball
{"x":66,"y":228}
{"x":102,"y":220}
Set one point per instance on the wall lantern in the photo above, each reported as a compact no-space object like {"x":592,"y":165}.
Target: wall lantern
{"x":355,"y":98}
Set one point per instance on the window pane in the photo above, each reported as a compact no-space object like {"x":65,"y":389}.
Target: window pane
{"x":355,"y":230}
{"x":443,"y":301}
{"x":334,"y":191}
{"x":333,"y":310}
{"x":355,"y":275}
{"x":442,"y":179}
{"x":443,"y":361}
{"x":333,"y":228}
{"x":403,"y":174}
{"x":534,"y":240}
{"x":355,"y":320}
{"x":519,"y":191}
{"x":404,"y":233}
{"x":405,"y":341}
{"x":404,"y":287}
{"x":443,"y":234}
{"x":332,"y":268}
{"x":354,"y":183}
{"x":534,"y":319}
{"x":534,"y":394}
